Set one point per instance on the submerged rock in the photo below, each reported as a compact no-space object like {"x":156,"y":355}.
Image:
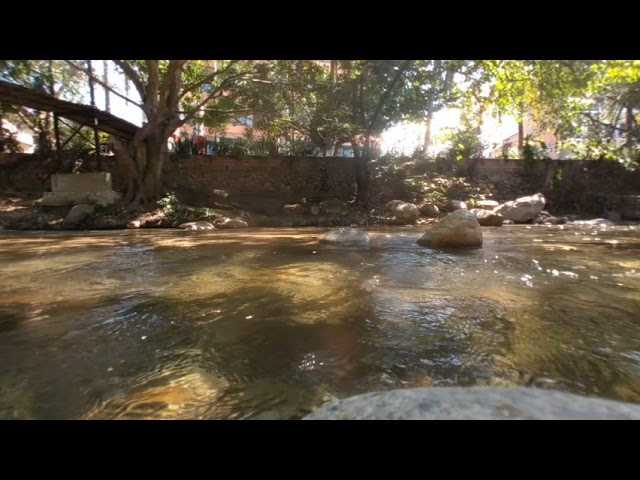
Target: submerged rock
{"x":458,"y":229}
{"x":201,"y":225}
{"x":475,"y":403}
{"x":346,"y":236}
{"x":403,"y":211}
{"x":522,"y":209}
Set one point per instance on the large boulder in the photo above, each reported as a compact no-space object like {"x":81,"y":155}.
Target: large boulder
{"x":231,"y":223}
{"x":429,"y":210}
{"x":475,"y":403}
{"x":346,"y":236}
{"x":453,"y":205}
{"x":487,"y":218}
{"x":77,"y":215}
{"x":200,"y":225}
{"x":458,"y":229}
{"x":522,"y":209}
{"x":403,"y":211}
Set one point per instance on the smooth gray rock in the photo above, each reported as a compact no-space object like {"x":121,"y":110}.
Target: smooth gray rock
{"x":77,"y":215}
{"x":475,"y":403}
{"x":453,"y":205}
{"x":429,"y":210}
{"x":403,"y":211}
{"x":458,"y":229}
{"x":346,"y":236}
{"x":523,"y":209}
{"x":201,"y":225}
{"x":487,"y":218}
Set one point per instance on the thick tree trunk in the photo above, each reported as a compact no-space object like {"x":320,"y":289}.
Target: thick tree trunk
{"x":142,"y":169}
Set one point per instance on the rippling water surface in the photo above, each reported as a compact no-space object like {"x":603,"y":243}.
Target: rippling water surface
{"x":270,"y":324}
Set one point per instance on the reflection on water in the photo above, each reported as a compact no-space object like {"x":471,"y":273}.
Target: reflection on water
{"x":270,"y":324}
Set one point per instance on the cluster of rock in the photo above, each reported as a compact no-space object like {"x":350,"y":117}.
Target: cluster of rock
{"x":225,"y":223}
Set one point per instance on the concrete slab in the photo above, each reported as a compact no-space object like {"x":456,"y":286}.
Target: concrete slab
{"x":81,"y":182}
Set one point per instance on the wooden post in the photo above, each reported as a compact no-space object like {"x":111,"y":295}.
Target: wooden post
{"x":96,"y":136}
{"x":56,"y":127}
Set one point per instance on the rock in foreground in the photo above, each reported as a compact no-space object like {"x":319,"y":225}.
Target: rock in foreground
{"x":475,"y":403}
{"x":346,"y":236}
{"x":458,"y":229}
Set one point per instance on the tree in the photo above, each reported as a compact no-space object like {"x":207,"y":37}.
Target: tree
{"x":172,"y":92}
{"x":547,"y":90}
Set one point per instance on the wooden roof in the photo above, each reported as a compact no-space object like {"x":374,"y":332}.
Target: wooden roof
{"x":82,"y":114}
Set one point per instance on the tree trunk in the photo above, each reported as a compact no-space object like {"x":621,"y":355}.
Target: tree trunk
{"x":521,"y":130}
{"x":427,"y":133}
{"x":629,"y":130}
{"x":520,"y":137}
{"x":141,"y":168}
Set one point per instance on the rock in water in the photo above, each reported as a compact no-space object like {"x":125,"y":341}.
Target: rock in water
{"x":429,"y":210}
{"x":458,"y":229}
{"x":487,"y":218}
{"x":346,"y":236}
{"x":475,"y":403}
{"x":523,"y":209}
{"x":201,"y":225}
{"x":403,"y":211}
{"x":454,"y":205}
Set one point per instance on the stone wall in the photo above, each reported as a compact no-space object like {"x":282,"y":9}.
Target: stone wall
{"x":288,"y":178}
{"x":568,"y":184}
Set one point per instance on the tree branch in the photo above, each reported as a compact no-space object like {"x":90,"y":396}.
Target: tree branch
{"x":174,"y":67}
{"x":132,"y":75}
{"x":214,"y":92}
{"x":207,"y":79}
{"x":101,"y":83}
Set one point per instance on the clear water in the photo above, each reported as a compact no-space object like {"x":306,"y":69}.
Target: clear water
{"x":270,"y":324}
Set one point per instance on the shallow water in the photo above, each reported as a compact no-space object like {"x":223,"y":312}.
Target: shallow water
{"x":271,"y":324}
